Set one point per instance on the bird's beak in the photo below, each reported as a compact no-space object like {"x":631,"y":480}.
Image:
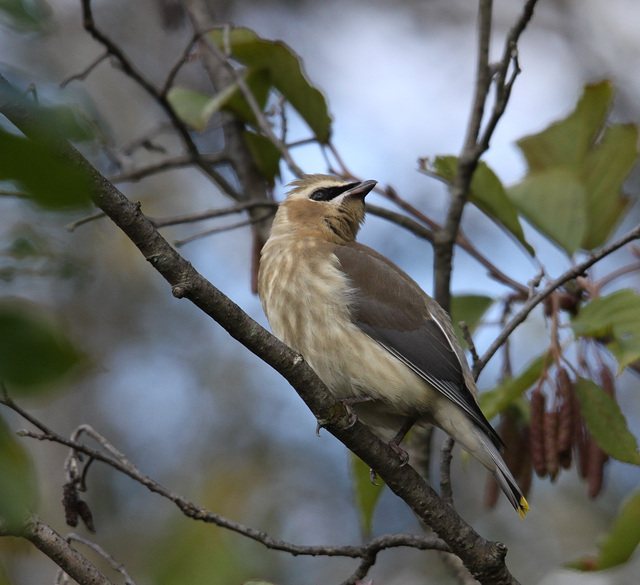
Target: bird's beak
{"x":361,"y":189}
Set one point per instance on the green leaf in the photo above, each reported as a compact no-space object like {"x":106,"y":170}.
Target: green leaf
{"x":554,"y":201}
{"x":34,"y":352}
{"x":577,"y":167}
{"x":367,"y":494}
{"x":51,"y":181}
{"x":265,"y":154}
{"x":604,"y":170}
{"x":285,"y":70}
{"x":18,"y":486}
{"x":606,"y":422}
{"x":615,"y":319}
{"x":566,"y":142}
{"x":195,"y":108}
{"x":486,"y":193}
{"x":509,"y":390}
{"x":22,"y":15}
{"x":470,"y":309}
{"x":623,"y":538}
{"x":259,"y":83}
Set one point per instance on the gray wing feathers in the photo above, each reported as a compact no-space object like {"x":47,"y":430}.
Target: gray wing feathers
{"x":392,"y":309}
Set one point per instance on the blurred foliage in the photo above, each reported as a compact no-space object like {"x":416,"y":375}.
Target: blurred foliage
{"x":366,"y":493}
{"x":18,"y":489}
{"x":25,"y":15}
{"x":35,"y":353}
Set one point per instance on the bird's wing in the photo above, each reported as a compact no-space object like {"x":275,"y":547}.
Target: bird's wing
{"x":392,"y":309}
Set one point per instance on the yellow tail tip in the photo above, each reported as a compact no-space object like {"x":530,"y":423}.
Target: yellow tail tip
{"x":523,"y":508}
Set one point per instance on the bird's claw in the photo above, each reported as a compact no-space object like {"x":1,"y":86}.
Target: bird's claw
{"x":400,"y":452}
{"x":373,"y":476}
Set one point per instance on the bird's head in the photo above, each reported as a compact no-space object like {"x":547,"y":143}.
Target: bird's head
{"x":326,"y":206}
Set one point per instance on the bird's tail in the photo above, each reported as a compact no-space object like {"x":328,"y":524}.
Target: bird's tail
{"x":506,"y":481}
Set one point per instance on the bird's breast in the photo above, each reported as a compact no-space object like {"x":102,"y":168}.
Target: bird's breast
{"x":307,"y":300}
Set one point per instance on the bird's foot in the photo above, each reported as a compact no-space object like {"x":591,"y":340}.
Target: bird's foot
{"x":400,"y":452}
{"x":373,"y":476}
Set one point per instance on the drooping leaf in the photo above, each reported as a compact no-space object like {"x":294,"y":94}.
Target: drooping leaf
{"x":606,"y":422}
{"x":195,"y":108}
{"x":51,"y":181}
{"x":604,"y":170}
{"x":554,"y":201}
{"x":265,"y":154}
{"x":18,"y":486}
{"x":494,"y":401}
{"x":566,"y":142}
{"x":615,"y":319}
{"x":470,"y":309}
{"x":34,"y":351}
{"x":285,"y":70}
{"x":486,"y":193}
{"x":366,"y":494}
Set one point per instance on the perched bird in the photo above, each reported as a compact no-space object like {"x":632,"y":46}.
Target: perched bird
{"x":376,"y":340}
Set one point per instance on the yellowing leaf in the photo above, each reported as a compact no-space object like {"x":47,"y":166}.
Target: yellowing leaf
{"x":606,"y":422}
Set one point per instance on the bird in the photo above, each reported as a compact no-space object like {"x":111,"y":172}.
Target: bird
{"x":379,"y":343}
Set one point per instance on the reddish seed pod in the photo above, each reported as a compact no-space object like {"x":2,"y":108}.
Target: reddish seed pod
{"x":536,"y":433}
{"x":565,"y":417}
{"x":550,"y":429}
{"x":582,"y":447}
{"x":607,"y":381}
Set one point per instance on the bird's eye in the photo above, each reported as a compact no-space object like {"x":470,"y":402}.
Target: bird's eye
{"x":320,"y":195}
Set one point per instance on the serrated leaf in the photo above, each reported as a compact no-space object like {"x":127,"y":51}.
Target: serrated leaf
{"x":616,"y":319}
{"x":366,"y":494}
{"x":603,"y":172}
{"x":34,"y":352}
{"x":486,"y":193}
{"x":18,"y":486}
{"x":566,"y":142}
{"x":265,"y":155}
{"x":554,"y":202}
{"x":51,"y":181}
{"x":494,"y":401}
{"x":195,"y":108}
{"x":286,"y":73}
{"x":470,"y":309}
{"x":623,"y":538}
{"x":606,"y":422}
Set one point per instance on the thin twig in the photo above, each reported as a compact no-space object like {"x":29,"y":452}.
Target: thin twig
{"x":221,"y":229}
{"x":120,"y":462}
{"x":115,"y":565}
{"x":533,"y":301}
{"x":86,"y":71}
